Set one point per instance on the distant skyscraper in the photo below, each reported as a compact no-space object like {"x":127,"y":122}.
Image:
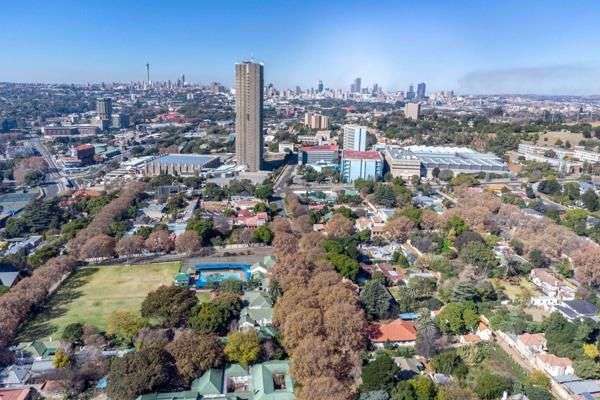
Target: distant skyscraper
{"x":355,"y":137}
{"x":411,"y":93}
{"x":320,"y":86}
{"x":104,"y":108}
{"x":249,"y":84}
{"x":356,"y":86}
{"x":375,"y":89}
{"x":148,"y":73}
{"x":421,"y":90}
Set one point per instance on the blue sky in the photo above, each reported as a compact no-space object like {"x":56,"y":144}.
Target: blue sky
{"x":526,"y":46}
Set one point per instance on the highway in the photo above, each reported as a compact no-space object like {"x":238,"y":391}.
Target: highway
{"x":57,"y":185}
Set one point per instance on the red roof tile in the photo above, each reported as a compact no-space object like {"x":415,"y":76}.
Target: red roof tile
{"x":395,"y":331}
{"x":361,"y":155}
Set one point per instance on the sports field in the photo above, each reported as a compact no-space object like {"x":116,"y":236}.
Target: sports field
{"x":91,"y":294}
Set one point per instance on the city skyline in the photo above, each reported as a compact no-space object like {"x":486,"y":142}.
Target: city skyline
{"x":476,"y":48}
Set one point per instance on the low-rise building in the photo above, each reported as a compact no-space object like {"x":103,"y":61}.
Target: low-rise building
{"x":181,"y":164}
{"x":397,"y":332}
{"x":327,"y":154}
{"x":361,"y":165}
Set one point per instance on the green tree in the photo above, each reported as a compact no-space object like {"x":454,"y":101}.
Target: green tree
{"x":424,"y":388}
{"x":480,"y":255}
{"x":346,"y":266}
{"x":73,"y":333}
{"x":61,"y":359}
{"x":377,"y":301}
{"x":587,"y":369}
{"x":264,"y":191}
{"x":170,"y":305}
{"x":243,"y":347}
{"x":124,"y":325}
{"x":590,"y":200}
{"x":489,"y":386}
{"x":263,"y":234}
{"x":202,"y":226}
{"x":403,"y":391}
{"x":379,"y":374}
{"x":384,"y":195}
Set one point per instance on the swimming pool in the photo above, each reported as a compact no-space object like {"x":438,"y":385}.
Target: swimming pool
{"x":208,"y":273}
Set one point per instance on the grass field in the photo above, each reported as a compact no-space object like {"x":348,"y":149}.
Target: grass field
{"x":91,"y":294}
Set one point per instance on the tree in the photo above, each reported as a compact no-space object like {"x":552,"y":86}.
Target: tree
{"x":449,"y":363}
{"x":428,"y":335}
{"x":467,"y":237}
{"x":124,"y":325}
{"x":457,"y":318}
{"x":100,"y":246}
{"x":264,"y":191}
{"x":385,"y":196}
{"x":171,"y":305}
{"x":339,"y":226}
{"x":188,"y":242}
{"x":194,"y":354}
{"x":590,"y":200}
{"x":480,"y":255}
{"x":61,"y":359}
{"x":379,"y":374}
{"x":202,"y":226}
{"x":159,"y":241}
{"x":130,"y":245}
{"x":489,"y":386}
{"x":424,"y":388}
{"x":377,"y":301}
{"x":435,"y":172}
{"x":587,"y":369}
{"x":73,"y":333}
{"x":263,"y":234}
{"x":34,"y":178}
{"x":346,"y":266}
{"x":139,"y":372}
{"x":243,"y":347}
{"x":399,"y":228}
{"x":404,"y":391}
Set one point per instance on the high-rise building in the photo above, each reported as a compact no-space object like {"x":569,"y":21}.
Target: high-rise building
{"x":412,"y":111}
{"x":104,"y":110}
{"x":320,"y":87}
{"x":361,"y":165}
{"x":355,"y":137}
{"x":249,"y":83}
{"x":356,"y":86}
{"x":421,"y":90}
{"x":410,"y":95}
{"x":316,"y":121}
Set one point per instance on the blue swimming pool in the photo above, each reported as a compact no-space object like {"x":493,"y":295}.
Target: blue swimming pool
{"x":207,"y":273}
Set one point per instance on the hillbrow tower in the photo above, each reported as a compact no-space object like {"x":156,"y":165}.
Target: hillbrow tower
{"x":249,"y":84}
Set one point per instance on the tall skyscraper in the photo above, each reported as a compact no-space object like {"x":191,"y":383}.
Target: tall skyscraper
{"x":356,"y":86}
{"x":320,"y":86}
{"x":411,"y":92}
{"x":249,"y":84}
{"x":148,"y":73}
{"x":421,"y":90}
{"x":355,"y":137}
{"x":104,"y":108}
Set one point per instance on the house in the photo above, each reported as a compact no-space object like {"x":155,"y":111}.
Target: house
{"x":258,"y":311}
{"x":9,"y":276}
{"x":585,"y":389}
{"x":38,"y":350}
{"x":17,"y":394}
{"x":14,"y":376}
{"x":577,"y":310}
{"x":397,"y":332}
{"x":530,"y":344}
{"x":554,"y":365}
{"x":550,"y":285}
{"x":270,"y":380}
{"x":393,"y":277}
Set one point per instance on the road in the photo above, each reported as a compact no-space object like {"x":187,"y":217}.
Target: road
{"x":57,"y":184}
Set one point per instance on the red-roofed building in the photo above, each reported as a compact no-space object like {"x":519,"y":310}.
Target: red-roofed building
{"x":16,"y":394}
{"x":397,"y":332}
{"x":361,"y":165}
{"x":326,"y":154}
{"x":84,"y":153}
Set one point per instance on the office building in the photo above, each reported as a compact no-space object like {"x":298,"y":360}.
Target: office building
{"x":181,"y":164}
{"x":84,"y":153}
{"x":104,"y":109}
{"x":355,"y":137}
{"x":422,"y":160}
{"x":421,"y":91}
{"x":313,"y":155}
{"x":320,"y":87}
{"x":356,"y":86}
{"x":412,"y":111}
{"x":361,"y":165}
{"x":410,"y":95}
{"x":316,"y":121}
{"x":249,"y":83}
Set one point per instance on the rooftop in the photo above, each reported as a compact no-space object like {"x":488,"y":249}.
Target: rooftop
{"x":394,"y":331}
{"x":361,"y":155}
{"x":327,"y":147}
{"x":199,"y":160}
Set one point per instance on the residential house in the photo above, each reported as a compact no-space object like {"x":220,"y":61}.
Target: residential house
{"x":38,"y":350}
{"x":530,"y":344}
{"x":258,"y":311}
{"x":270,"y":380}
{"x":554,"y":365}
{"x":393,"y":276}
{"x":397,"y":332}
{"x":577,"y":309}
{"x":250,"y":219}
{"x":550,"y":285}
{"x":17,"y":394}
{"x":15,"y":376}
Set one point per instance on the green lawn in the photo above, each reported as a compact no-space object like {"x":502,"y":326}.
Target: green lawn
{"x":91,"y":294}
